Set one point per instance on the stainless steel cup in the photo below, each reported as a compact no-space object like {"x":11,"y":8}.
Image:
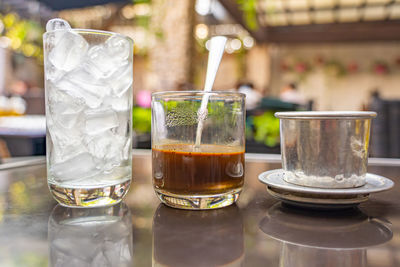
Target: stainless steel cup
{"x":325,"y":149}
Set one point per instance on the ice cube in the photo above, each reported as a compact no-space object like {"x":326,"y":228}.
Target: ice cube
{"x":64,"y":123}
{"x":118,"y":230}
{"x":78,"y":167}
{"x":70,"y":120}
{"x":100,"y":260}
{"x":65,"y":260}
{"x":60,"y":154}
{"x":118,"y":47}
{"x":124,"y":123}
{"x":127,"y":149}
{"x":121,"y":80}
{"x":99,"y":145}
{"x":52,"y":73}
{"x":100,"y":63}
{"x":87,"y":82}
{"x":100,"y":120}
{"x":109,"y":165}
{"x":81,"y":246}
{"x":72,"y":89}
{"x":119,"y":103}
{"x":65,"y":109}
{"x":126,"y":253}
{"x":57,"y":24}
{"x":68,"y":51}
{"x":50,"y":39}
{"x":114,"y":156}
{"x":67,"y":143}
{"x":114,"y":251}
{"x":107,"y":148}
{"x":81,"y":84}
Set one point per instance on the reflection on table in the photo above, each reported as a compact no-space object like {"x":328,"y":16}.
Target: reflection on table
{"x":230,"y":237}
{"x":90,"y":237}
{"x":197,"y":238}
{"x":324,"y":238}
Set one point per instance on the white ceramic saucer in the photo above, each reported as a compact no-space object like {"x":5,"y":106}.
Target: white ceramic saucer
{"x":312,"y":197}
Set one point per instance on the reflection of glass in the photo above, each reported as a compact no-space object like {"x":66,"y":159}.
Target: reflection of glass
{"x":88,"y":116}
{"x":90,"y":237}
{"x":197,"y":238}
{"x":203,"y":176}
{"x":312,"y":238}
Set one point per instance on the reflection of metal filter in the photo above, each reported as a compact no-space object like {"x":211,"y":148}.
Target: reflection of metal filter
{"x":311,"y":238}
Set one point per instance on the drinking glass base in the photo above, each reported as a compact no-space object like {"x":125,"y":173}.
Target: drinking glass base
{"x":198,"y":202}
{"x":89,"y":197}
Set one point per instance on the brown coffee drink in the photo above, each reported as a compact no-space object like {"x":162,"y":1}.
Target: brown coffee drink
{"x":180,"y":169}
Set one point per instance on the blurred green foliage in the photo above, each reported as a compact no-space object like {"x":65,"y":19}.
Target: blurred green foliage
{"x":30,"y":259}
{"x":249,"y":8}
{"x":142,"y":21}
{"x":217,"y":108}
{"x":141,"y":1}
{"x":21,"y":35}
{"x":214,"y":107}
{"x":141,"y":119}
{"x":263,"y":129}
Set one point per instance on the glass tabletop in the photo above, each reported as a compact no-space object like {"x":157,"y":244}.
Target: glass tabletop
{"x":257,"y":231}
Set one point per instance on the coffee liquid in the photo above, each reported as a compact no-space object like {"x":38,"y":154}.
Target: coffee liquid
{"x":215,"y":169}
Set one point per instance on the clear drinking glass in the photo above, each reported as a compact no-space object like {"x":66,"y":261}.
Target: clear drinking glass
{"x":198,"y":177}
{"x":88,"y":81}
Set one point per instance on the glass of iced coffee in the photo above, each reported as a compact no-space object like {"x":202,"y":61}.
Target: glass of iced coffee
{"x":206,"y":173}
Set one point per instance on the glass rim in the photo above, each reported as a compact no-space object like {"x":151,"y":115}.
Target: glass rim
{"x":196,"y":93}
{"x":91,"y":31}
{"x":326,"y":115}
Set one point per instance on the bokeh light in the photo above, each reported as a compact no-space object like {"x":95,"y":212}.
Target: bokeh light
{"x":201,"y":31}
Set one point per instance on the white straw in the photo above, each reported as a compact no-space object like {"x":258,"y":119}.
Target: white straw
{"x":217,"y":46}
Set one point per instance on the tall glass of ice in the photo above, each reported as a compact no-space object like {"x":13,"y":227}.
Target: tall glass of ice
{"x":88,"y":83}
